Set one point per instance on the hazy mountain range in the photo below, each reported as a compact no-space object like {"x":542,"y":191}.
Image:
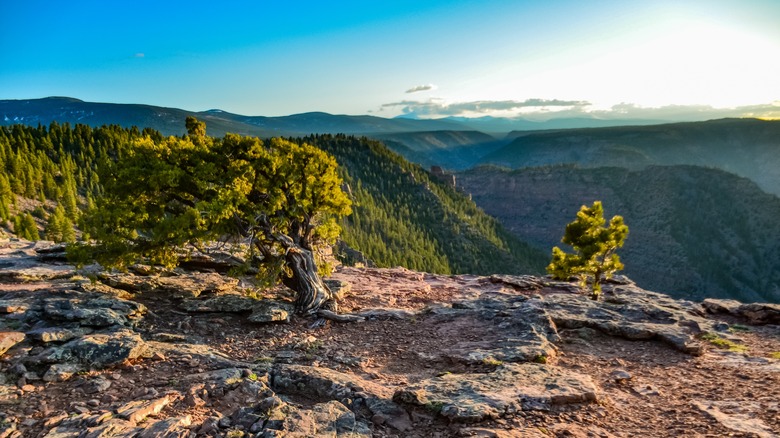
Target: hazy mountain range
{"x":169,"y":120}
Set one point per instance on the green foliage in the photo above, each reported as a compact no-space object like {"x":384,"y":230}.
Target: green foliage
{"x":58,"y":164}
{"x":491,"y":361}
{"x":722,"y":343}
{"x":165,"y":195}
{"x":7,"y":198}
{"x":25,"y":227}
{"x":594,"y":245}
{"x":59,"y":227}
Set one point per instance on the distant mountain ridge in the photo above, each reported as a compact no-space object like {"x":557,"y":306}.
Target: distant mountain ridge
{"x":170,"y":121}
{"x":745,"y":147}
{"x":167,"y":120}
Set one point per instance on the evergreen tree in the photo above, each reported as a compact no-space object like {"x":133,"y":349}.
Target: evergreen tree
{"x":59,"y":227}
{"x":25,"y":227}
{"x":282,"y":199}
{"x":6,"y":198}
{"x":595,"y":247}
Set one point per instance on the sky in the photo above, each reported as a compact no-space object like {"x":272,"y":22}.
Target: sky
{"x":652,"y":59}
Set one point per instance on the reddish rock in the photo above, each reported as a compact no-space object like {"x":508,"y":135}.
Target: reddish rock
{"x":8,"y":339}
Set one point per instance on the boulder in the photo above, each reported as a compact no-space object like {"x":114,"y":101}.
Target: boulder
{"x":339,"y":288}
{"x":755,"y":313}
{"x":61,"y":372}
{"x":271,"y":311}
{"x":761,"y":313}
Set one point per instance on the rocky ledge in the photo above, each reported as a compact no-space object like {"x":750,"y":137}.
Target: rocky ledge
{"x":180,"y":353}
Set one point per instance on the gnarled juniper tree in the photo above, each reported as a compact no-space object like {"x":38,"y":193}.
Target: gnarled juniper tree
{"x":280,"y":200}
{"x":594,"y":245}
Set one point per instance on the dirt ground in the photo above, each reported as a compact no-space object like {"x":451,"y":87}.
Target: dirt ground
{"x":647,"y":388}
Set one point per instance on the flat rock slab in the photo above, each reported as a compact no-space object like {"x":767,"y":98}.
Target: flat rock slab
{"x":736,"y":416}
{"x":138,"y":410}
{"x":331,"y":419}
{"x":30,"y":269}
{"x":59,"y":306}
{"x":262,"y":310}
{"x":223,"y":378}
{"x":223,"y":303}
{"x":519,"y":331}
{"x":92,"y":309}
{"x":324,"y":383}
{"x":470,"y":398}
{"x":200,"y":353}
{"x":8,"y":339}
{"x":632,"y":313}
{"x":483,"y":432}
{"x":169,"y":428}
{"x":98,"y":350}
{"x":190,"y":285}
{"x":57,"y":334}
{"x":755,"y":313}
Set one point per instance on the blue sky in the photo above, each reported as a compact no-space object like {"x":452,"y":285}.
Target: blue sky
{"x":538,"y":59}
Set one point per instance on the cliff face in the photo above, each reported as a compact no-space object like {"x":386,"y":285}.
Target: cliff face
{"x":694,"y":232}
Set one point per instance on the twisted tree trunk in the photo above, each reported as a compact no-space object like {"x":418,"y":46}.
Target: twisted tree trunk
{"x":306,"y":282}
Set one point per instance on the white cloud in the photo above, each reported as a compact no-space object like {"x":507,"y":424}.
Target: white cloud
{"x":418,"y":88}
{"x":546,"y":109}
{"x":437,"y":107}
{"x":139,"y":55}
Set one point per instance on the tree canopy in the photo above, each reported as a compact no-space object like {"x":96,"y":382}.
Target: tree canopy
{"x":594,"y":245}
{"x":279,"y":201}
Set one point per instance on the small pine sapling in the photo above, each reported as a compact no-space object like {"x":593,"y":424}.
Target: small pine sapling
{"x":594,"y":245}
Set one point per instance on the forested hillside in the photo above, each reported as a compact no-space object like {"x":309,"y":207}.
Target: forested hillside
{"x":694,"y":232}
{"x":401,"y":217}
